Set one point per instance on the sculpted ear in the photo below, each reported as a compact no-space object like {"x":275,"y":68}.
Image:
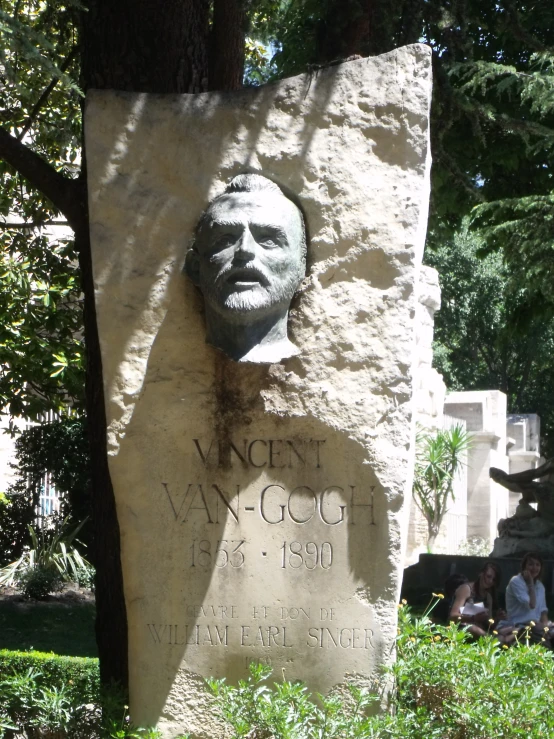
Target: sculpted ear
{"x":192,"y":266}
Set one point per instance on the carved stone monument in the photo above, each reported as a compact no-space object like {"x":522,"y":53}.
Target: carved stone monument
{"x":259,"y":414}
{"x":529,"y":529}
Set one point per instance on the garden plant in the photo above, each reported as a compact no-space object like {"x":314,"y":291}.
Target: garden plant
{"x":50,"y":560}
{"x":439,"y":456}
{"x":443,"y":685}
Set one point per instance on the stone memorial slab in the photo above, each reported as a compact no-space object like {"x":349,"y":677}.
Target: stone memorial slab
{"x":260,"y":470}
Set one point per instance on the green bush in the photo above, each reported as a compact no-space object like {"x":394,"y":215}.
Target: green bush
{"x":45,"y":696}
{"x":79,"y":676}
{"x":84,"y":577}
{"x":39,"y":581}
{"x":50,"y":550}
{"x":446,"y":686}
{"x":456,"y":688}
{"x":59,"y":450}
{"x":286,"y":711}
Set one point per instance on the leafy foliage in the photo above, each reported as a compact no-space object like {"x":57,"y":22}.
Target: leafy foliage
{"x":492,"y":140}
{"x":478,"y":344}
{"x":447,"y":686}
{"x":492,"y":124}
{"x":439,"y":456}
{"x":38,"y":582}
{"x":49,"y":560}
{"x":51,"y":697}
{"x":41,"y":352}
{"x":258,"y":67}
{"x":523,"y":228}
{"x":522,"y":225}
{"x":15,"y":516}
{"x":59,"y":450}
{"x":451,"y":687}
{"x":286,"y":711}
{"x":39,"y":690}
{"x":39,"y":43}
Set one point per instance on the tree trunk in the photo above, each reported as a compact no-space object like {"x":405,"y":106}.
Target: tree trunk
{"x":227,"y":45}
{"x":111,"y":615}
{"x":140,"y":46}
{"x":344,"y":30}
{"x":432,"y":534}
{"x":145,"y":45}
{"x":365,"y":28}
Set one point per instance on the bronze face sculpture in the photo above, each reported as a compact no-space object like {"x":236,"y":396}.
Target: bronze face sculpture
{"x":248,"y":259}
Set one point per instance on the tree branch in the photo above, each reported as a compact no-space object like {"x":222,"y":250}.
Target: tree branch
{"x":486,"y":357}
{"x":44,"y":97}
{"x":32,"y":224}
{"x":65,"y":194}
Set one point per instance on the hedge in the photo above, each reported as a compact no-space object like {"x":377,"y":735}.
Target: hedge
{"x":79,"y":675}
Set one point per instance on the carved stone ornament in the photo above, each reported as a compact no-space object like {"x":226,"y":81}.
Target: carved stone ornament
{"x":528,"y":529}
{"x":248,"y":259}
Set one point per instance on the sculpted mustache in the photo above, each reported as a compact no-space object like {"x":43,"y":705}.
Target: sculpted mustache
{"x":254,"y":271}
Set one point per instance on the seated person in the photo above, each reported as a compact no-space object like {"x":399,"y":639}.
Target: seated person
{"x":441,"y":611}
{"x":526,"y":601}
{"x":482,"y":590}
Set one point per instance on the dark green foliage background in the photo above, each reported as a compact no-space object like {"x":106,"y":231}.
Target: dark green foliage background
{"x":61,"y":450}
{"x":479,"y":341}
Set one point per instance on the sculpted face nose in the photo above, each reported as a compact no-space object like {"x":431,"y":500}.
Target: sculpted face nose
{"x":246,"y":245}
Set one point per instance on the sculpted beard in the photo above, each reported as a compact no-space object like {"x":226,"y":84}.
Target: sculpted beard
{"x":261,"y":296}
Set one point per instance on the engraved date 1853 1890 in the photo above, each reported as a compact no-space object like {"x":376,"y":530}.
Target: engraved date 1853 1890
{"x":231,"y":553}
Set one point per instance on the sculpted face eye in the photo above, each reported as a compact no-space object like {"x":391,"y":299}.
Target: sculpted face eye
{"x":223,"y":241}
{"x":270,"y":239}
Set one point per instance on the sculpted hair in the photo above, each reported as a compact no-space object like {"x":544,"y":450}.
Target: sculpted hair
{"x":253,"y":183}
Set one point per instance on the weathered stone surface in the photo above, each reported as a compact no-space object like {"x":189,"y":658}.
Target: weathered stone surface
{"x":261,"y":507}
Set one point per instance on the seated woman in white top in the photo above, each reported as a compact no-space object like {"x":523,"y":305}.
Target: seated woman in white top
{"x":526,"y":601}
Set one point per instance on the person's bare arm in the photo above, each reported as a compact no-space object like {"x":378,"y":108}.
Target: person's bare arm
{"x":460,"y":597}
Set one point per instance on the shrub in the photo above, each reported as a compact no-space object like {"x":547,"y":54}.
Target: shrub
{"x":59,"y":450}
{"x":39,"y":581}
{"x":84,"y":577}
{"x":50,"y":551}
{"x":79,"y":675}
{"x":456,"y":688}
{"x":286,"y":711}
{"x":439,"y":456}
{"x":45,"y":696}
{"x":446,"y":687}
{"x":17,"y":511}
